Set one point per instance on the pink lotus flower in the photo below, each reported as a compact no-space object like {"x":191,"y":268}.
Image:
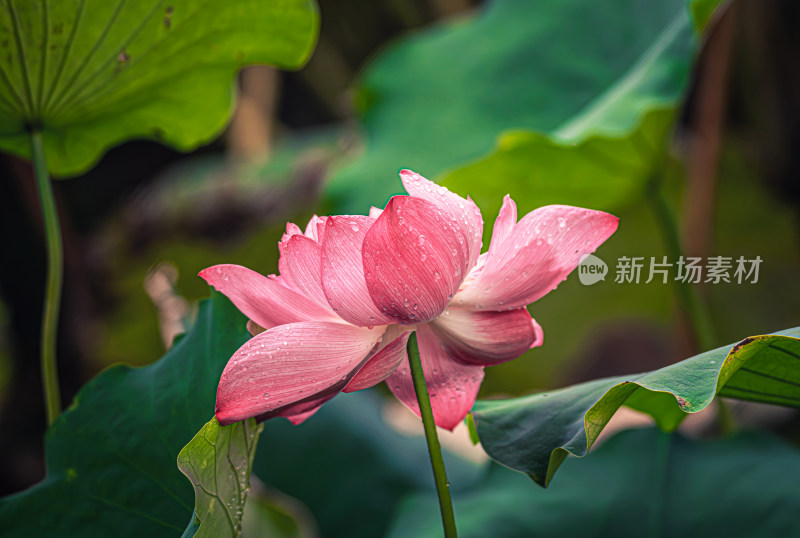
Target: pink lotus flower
{"x":352,"y":288}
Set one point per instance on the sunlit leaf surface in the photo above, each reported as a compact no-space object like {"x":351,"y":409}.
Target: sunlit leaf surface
{"x":92,"y":73}
{"x":218,"y":462}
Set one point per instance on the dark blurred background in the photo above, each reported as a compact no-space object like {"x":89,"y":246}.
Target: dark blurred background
{"x":140,"y":225}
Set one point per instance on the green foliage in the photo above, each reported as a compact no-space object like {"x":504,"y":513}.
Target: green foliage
{"x":111,"y":456}
{"x":638,"y":483}
{"x":90,"y":74}
{"x":534,"y":434}
{"x":587,"y":91}
{"x":218,"y":462}
{"x":349,"y":467}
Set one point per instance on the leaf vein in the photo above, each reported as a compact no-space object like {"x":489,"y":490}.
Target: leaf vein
{"x":22,"y":59}
{"x":77,"y":73}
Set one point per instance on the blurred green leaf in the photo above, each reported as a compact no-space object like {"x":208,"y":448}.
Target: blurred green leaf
{"x":91,"y":74}
{"x":596,"y":82}
{"x":271,"y":514}
{"x":349,"y":467}
{"x":638,"y":483}
{"x":218,"y":462}
{"x":111,"y":456}
{"x":534,"y":434}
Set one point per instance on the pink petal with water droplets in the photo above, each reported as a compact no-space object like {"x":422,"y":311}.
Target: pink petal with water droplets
{"x":452,"y":386}
{"x":538,"y":254}
{"x":264,"y":300}
{"x":343,"y":271}
{"x":485,"y":338}
{"x":414,"y":260}
{"x":391,"y":353}
{"x":462,"y":212}
{"x":301,"y":262}
{"x":291,"y":364}
{"x":504,"y":224}
{"x":313,"y":227}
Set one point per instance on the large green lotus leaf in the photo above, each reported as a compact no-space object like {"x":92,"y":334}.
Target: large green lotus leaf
{"x":111,"y":456}
{"x":601,"y":172}
{"x":534,"y":434}
{"x":639,"y":483}
{"x":218,"y":462}
{"x":91,"y":73}
{"x":581,"y":77}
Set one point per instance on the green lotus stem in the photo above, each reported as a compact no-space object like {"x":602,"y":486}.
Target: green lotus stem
{"x":434,"y":449}
{"x":52,"y":298}
{"x":687,"y":294}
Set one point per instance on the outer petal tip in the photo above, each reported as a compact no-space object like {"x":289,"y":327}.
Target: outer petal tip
{"x":205,"y":274}
{"x":539,"y":334}
{"x":405,"y":173}
{"x":224,"y":417}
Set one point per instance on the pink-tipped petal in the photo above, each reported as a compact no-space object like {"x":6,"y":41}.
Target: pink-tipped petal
{"x":375,"y":212}
{"x":538,"y":254}
{"x":384,"y":362}
{"x":299,"y":418}
{"x":452,"y":386}
{"x":313,"y":227}
{"x":537,"y":330}
{"x":264,"y":300}
{"x":504,"y":224}
{"x":291,"y":229}
{"x":484,"y":338}
{"x":415,"y":259}
{"x":301,"y":262}
{"x":462,"y":212}
{"x":298,"y":413}
{"x":343,"y":271}
{"x":289,"y":365}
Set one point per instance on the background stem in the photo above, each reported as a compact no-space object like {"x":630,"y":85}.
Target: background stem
{"x":52,"y":298}
{"x":687,"y":294}
{"x":435,"y":451}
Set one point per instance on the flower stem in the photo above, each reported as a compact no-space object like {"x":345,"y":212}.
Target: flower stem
{"x":435,"y":451}
{"x":52,"y":300}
